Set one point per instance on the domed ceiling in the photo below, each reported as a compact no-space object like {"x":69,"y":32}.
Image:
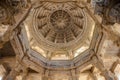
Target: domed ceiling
{"x":56,"y":23}
{"x":58,"y":40}
{"x":59,"y":31}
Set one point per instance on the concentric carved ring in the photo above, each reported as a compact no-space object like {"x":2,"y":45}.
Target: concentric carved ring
{"x":60,"y":19}
{"x":59,"y":25}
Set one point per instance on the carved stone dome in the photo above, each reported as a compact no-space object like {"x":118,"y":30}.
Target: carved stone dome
{"x":59,"y":24}
{"x":59,"y":28}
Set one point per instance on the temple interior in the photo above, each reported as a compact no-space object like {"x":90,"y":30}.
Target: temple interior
{"x":59,"y":39}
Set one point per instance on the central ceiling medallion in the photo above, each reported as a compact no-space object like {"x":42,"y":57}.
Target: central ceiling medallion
{"x":61,"y":22}
{"x":60,"y":19}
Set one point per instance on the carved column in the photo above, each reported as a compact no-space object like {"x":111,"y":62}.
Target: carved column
{"x":14,"y":72}
{"x":24,"y":74}
{"x":99,"y":64}
{"x":73,"y":75}
{"x":92,"y":74}
{"x":46,"y":75}
{"x":12,"y":75}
